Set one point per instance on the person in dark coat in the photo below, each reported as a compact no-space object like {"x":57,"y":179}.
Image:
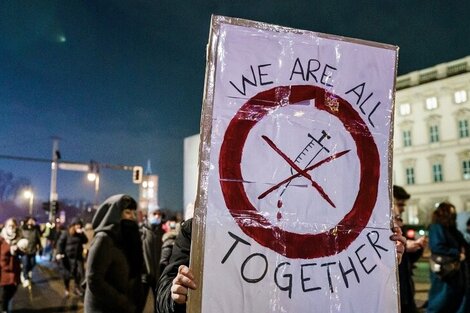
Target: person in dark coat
{"x":169,"y":301}
{"x":32,"y":233}
{"x":446,"y":295}
{"x":70,"y":255}
{"x":115,"y":261}
{"x":413,"y":251}
{"x":10,"y":266}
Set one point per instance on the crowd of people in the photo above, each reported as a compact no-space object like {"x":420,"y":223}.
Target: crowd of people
{"x":101,"y":261}
{"x":116,"y":263}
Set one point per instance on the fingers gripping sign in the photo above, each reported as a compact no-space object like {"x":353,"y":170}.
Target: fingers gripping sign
{"x":181,"y":284}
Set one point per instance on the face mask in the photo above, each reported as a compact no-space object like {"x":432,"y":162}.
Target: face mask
{"x":172,"y":225}
{"x":155,"y":220}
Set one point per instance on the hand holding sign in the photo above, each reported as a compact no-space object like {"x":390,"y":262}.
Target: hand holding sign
{"x":182,"y":282}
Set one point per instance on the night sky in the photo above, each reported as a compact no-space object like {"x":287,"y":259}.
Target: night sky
{"x":121,"y":82}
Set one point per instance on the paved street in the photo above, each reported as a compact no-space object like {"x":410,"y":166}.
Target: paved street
{"x":421,"y":279}
{"x":46,"y":294}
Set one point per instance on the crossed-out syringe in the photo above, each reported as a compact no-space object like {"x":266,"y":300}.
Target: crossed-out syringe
{"x":306,"y":168}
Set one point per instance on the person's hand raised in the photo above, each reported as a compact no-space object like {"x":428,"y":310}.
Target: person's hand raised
{"x":181,"y":284}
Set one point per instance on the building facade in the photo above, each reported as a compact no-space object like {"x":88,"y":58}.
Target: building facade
{"x":431,"y":158}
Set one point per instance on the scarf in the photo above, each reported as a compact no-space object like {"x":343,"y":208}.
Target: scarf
{"x":132,"y":247}
{"x":10,"y":238}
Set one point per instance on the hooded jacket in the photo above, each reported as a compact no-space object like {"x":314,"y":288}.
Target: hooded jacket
{"x":110,"y":287}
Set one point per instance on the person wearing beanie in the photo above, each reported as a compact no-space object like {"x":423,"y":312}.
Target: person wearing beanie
{"x":115,"y":261}
{"x":70,"y":255}
{"x":31,"y":232}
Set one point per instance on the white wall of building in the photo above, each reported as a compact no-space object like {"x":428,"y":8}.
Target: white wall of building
{"x":191,"y":173}
{"x":441,"y":82}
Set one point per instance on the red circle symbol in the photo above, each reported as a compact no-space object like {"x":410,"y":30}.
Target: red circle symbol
{"x":252,"y":223}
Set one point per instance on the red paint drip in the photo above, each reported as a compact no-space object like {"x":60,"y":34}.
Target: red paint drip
{"x":279,"y":203}
{"x":279,"y":215}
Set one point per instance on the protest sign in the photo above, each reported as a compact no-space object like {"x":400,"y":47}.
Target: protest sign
{"x":293,"y":207}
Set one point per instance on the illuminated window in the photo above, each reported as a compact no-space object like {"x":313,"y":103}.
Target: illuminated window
{"x":433,"y":133}
{"x":464,"y":131}
{"x":460,"y":96}
{"x":437,"y":172}
{"x":407,"y":138}
{"x":431,"y":103}
{"x":405,"y":109}
{"x":466,"y":169}
{"x":410,"y":175}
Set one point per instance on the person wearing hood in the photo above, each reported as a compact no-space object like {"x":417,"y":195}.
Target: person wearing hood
{"x":10,"y":266}
{"x":32,"y":233}
{"x":115,"y":260}
{"x":70,"y":255}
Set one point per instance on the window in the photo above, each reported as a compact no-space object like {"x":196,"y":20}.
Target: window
{"x":437,"y":172}
{"x":433,"y":133}
{"x":464,"y":131}
{"x":466,"y":169}
{"x":431,"y":103}
{"x":407,"y":138}
{"x":410,"y":175}
{"x":460,"y":96}
{"x":405,"y":109}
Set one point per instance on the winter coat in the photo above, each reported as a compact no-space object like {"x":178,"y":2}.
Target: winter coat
{"x":109,"y":287}
{"x":180,"y":256}
{"x":33,"y":235}
{"x":446,"y":296}
{"x":167,"y":248}
{"x":71,"y":245}
{"x":151,"y":244}
{"x":407,"y":286}
{"x":10,"y":267}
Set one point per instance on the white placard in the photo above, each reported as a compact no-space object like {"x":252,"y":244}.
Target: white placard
{"x":297,"y":195}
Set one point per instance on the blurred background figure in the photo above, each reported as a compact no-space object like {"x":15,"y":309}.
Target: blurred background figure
{"x":10,"y":266}
{"x":413,"y":251}
{"x":115,"y":261}
{"x":70,"y":256}
{"x":151,"y":234}
{"x":32,"y":233}
{"x":447,"y":293}
{"x":89,"y":233}
{"x":51,"y":235}
{"x":168,"y":241}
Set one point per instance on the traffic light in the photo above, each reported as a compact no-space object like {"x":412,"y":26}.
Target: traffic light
{"x":137,"y":173}
{"x":54,"y":207}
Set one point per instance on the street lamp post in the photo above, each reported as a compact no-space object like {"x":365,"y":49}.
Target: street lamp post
{"x":28,"y":194}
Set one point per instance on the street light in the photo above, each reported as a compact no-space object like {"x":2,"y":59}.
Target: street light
{"x":95,"y":177}
{"x":28,"y":194}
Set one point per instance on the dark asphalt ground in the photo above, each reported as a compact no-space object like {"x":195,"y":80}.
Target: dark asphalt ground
{"x":47,"y":293}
